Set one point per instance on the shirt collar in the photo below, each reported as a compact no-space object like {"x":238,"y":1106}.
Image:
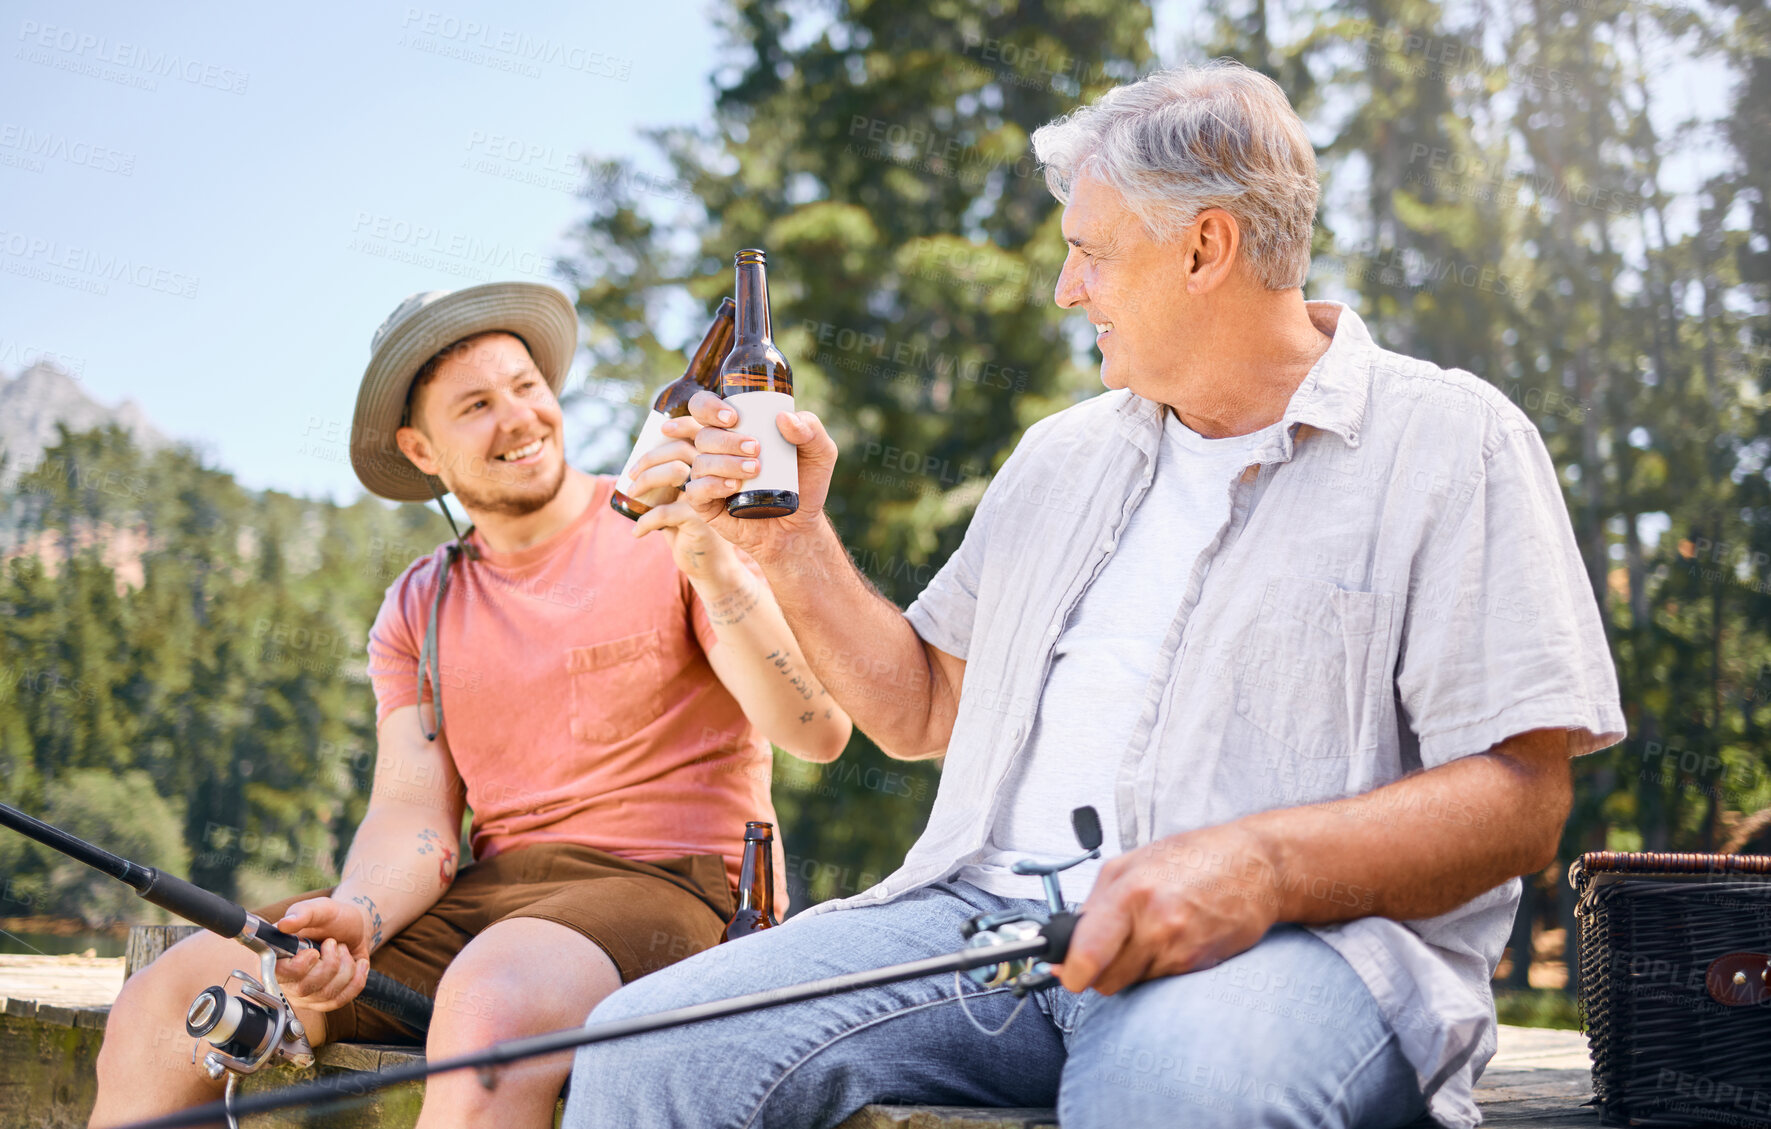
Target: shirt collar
{"x":1332,"y":396}
{"x":1334,"y":392}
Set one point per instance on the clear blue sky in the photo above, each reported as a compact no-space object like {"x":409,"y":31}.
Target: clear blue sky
{"x":301,"y":169}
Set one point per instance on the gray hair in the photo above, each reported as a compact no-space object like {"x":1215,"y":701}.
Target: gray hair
{"x":1180,"y":141}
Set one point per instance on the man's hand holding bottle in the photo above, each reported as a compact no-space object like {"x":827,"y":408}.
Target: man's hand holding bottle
{"x":715,"y":462}
{"x":761,"y":492}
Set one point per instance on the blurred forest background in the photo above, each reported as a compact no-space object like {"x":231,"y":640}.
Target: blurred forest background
{"x":1570,"y":199}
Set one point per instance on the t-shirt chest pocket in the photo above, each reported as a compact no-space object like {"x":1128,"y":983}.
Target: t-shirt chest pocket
{"x":617,"y":686}
{"x":1311,"y":671}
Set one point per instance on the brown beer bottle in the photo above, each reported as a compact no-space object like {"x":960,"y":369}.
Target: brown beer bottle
{"x":673,"y":401}
{"x":758,"y":382}
{"x":756,"y":883}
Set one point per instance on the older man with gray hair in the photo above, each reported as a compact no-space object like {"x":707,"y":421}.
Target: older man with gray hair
{"x":1303,"y":619}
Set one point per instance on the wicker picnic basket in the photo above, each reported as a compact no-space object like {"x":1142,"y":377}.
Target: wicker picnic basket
{"x":1675,"y":986}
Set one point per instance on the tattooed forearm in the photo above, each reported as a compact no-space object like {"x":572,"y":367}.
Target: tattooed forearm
{"x":368,"y":903}
{"x":430,"y":842}
{"x":800,"y":682}
{"x":731,"y":608}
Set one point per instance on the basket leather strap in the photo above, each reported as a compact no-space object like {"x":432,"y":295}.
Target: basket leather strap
{"x":1739,"y":979}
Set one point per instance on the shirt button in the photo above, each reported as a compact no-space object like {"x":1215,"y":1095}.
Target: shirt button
{"x":1107,"y":546}
{"x":1056,"y":630}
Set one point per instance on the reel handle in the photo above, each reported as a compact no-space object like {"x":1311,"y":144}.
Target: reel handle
{"x":1058,"y":930}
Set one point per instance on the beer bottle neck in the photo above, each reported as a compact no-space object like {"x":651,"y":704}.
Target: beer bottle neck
{"x":756,"y":877}
{"x":752,"y":290}
{"x":703,"y":367}
{"x":750,"y":875}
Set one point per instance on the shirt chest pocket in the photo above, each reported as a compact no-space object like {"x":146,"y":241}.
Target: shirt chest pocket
{"x":1312,"y":671}
{"x":617,"y":687}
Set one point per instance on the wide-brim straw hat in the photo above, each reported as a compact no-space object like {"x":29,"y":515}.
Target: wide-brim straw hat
{"x":423,"y":326}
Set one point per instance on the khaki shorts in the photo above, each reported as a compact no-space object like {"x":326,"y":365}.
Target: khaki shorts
{"x":644,"y":915}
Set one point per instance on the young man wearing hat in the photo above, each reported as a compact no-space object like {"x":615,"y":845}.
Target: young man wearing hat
{"x":606,"y":698}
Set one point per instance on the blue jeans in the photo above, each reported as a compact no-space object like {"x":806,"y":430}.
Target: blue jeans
{"x":1284,"y":1034}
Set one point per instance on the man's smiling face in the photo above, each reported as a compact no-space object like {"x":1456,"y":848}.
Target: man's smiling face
{"x":489,"y":426}
{"x":1132,"y":288}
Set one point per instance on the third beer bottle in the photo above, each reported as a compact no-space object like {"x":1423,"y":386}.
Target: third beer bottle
{"x":673,"y":401}
{"x":757,"y":381}
{"x":756,"y":883}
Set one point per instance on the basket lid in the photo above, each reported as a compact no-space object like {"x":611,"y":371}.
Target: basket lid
{"x":1667,"y":864}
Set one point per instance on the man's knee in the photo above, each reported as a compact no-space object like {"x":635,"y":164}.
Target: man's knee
{"x":1264,"y":1039}
{"x":158,"y":996}
{"x":480,"y":1005}
{"x":148,"y":1013}
{"x":178,"y":973}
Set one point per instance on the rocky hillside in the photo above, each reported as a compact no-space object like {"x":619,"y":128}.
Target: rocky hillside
{"x":37,"y":399}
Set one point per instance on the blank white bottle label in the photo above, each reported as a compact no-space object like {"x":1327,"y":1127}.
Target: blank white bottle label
{"x":779,"y":458}
{"x":651,"y":435}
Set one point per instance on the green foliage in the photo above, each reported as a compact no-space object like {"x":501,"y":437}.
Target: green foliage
{"x":1537,"y":1007}
{"x":125,"y":813}
{"x":161,"y":625}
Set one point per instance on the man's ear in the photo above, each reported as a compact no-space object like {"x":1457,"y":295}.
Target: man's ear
{"x":1214,"y":241}
{"x":416,"y":446}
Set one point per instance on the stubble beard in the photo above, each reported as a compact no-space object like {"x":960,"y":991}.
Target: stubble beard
{"x":514,"y":500}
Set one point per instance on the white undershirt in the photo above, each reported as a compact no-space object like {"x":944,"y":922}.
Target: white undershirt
{"x":1102,"y":665}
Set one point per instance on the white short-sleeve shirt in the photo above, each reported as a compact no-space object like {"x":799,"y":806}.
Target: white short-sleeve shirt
{"x":1395,"y":584}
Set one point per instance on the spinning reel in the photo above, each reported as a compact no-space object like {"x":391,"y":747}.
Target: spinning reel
{"x":985,"y":930}
{"x":247,"y":1030}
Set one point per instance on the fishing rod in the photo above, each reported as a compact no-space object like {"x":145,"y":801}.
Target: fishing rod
{"x":245,"y":1030}
{"x":1014,"y":948}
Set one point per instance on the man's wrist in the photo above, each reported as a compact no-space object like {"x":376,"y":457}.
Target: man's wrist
{"x":720,"y":575}
{"x":812,"y":553}
{"x":731,"y":606}
{"x":1271,"y":860}
{"x":369,"y":912}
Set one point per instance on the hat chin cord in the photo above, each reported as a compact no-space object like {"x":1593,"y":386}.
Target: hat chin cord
{"x":430,"y":660}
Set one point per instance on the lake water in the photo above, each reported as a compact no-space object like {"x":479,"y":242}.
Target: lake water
{"x":60,"y":944}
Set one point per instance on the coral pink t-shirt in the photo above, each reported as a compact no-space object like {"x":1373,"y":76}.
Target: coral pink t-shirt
{"x":578,"y":702}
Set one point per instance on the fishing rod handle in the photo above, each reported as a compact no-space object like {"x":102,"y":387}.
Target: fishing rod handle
{"x":217,"y":914}
{"x":392,"y":998}
{"x":380,"y":991}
